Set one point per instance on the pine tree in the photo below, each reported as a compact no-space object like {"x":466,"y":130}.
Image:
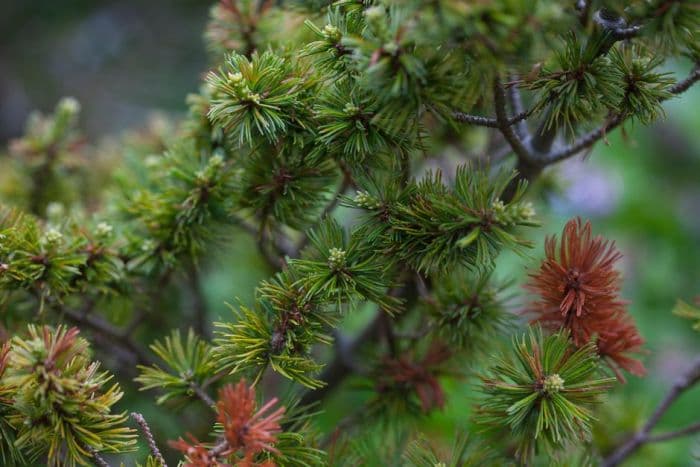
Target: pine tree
{"x":339,"y":136}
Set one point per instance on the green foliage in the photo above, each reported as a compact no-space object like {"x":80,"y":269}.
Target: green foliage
{"x":55,"y":261}
{"x":542,"y":393}
{"x":645,"y":88}
{"x":46,"y":156}
{"x":435,"y":227}
{"x":247,"y":345}
{"x":260,"y":96}
{"x":328,"y":51}
{"x":283,"y":184}
{"x":59,"y":407}
{"x":189,"y":364}
{"x":468,"y":312}
{"x":583,"y":83}
{"x":350,"y":127}
{"x":466,"y":452}
{"x":669,"y":27}
{"x":175,"y":219}
{"x":341,"y":270}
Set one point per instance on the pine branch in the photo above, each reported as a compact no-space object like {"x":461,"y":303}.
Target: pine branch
{"x":586,"y":141}
{"x":689,"y":430}
{"x":683,"y":86}
{"x":96,"y":457}
{"x":682,"y":384}
{"x":520,"y":115}
{"x":150,"y":440}
{"x":105,"y":328}
{"x":615,"y":120}
{"x":504,"y":125}
{"x":202,"y":394}
{"x":516,"y":105}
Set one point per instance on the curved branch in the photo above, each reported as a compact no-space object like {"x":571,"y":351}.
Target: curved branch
{"x":105,"y":328}
{"x":202,"y":394}
{"x":150,"y":440}
{"x":491,"y":122}
{"x":499,"y":96}
{"x":682,"y":86}
{"x":689,"y":430}
{"x":683,"y":383}
{"x":586,"y":141}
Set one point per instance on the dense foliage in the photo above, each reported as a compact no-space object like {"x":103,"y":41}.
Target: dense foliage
{"x":344,"y":138}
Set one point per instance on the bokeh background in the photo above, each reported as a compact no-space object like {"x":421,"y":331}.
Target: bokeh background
{"x":125,"y":59}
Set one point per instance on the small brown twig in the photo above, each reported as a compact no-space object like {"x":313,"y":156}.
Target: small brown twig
{"x":150,"y":440}
{"x":202,"y":394}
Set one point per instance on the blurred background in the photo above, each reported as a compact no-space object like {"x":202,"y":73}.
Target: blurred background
{"x":124,"y":59}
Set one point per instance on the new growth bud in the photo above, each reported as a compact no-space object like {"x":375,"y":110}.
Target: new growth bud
{"x":103,"y":230}
{"x":331,"y":33}
{"x":336,"y":258}
{"x":53,"y":237}
{"x":553,"y":384}
{"x":367,"y":201}
{"x":241,"y":89}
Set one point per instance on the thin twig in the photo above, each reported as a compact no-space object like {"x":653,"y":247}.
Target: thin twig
{"x":150,"y":440}
{"x":273,"y":258}
{"x":626,"y":33}
{"x":96,"y":457}
{"x":590,"y":138}
{"x":516,"y":107}
{"x":689,"y":430}
{"x":499,"y":95}
{"x":218,"y":449}
{"x":202,"y":394}
{"x":107,"y":329}
{"x":586,"y":141}
{"x":475,"y":120}
{"x":682,"y":86}
{"x":478,"y":120}
{"x":683,"y":383}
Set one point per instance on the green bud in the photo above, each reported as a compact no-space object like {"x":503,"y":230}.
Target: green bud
{"x":351,"y":109}
{"x":103,"y":230}
{"x":553,"y":384}
{"x":53,"y":237}
{"x":367,"y":201}
{"x":332,"y":33}
{"x":336,"y":258}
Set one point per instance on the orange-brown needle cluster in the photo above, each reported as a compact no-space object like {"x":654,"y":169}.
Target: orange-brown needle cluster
{"x":578,"y":289}
{"x":248,"y":431}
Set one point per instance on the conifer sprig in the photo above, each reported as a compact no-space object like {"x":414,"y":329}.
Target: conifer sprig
{"x":542,"y":392}
{"x":261,"y":96}
{"x":189,"y":364}
{"x":434,"y":227}
{"x":60,"y":403}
